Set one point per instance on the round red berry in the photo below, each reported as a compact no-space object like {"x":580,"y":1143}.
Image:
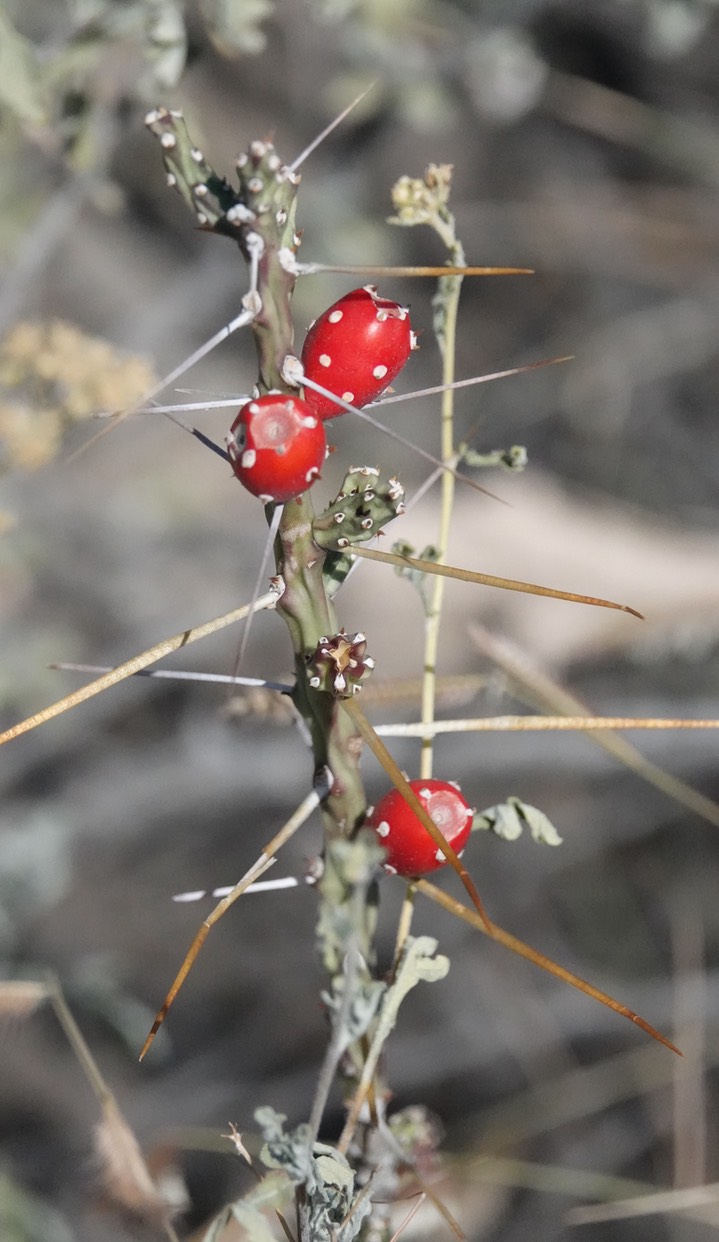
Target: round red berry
{"x":410,"y":849}
{"x":276,"y":447}
{"x":356,"y":348}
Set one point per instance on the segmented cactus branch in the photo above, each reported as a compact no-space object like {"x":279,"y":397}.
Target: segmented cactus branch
{"x":260,"y":216}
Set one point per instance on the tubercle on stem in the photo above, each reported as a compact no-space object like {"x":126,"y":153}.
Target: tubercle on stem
{"x":259,"y":215}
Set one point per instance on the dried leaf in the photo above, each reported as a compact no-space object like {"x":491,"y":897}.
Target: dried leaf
{"x":124,"y":1172}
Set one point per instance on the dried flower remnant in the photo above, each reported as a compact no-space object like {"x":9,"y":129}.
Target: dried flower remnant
{"x":53,"y":375}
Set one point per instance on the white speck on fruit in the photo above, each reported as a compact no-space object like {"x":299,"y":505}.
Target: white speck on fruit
{"x":241,"y":160}
{"x":455,"y":785}
{"x":335,"y":316}
{"x":201,"y":217}
{"x":255,"y":185}
{"x":348,"y":396}
{"x":389,"y":869}
{"x":360,"y":637}
{"x":201,"y":190}
{"x":312,"y":473}
{"x":424,"y":792}
{"x":248,"y":459}
{"x":369,"y":662}
{"x":440,"y":856}
{"x":171,"y":180}
{"x":315,"y":682}
{"x":309,"y":421}
{"x":338,"y":518}
{"x":254,"y":407}
{"x":258,"y":148}
{"x":383,"y":829}
{"x":379,"y":372}
{"x":265,"y":498}
{"x":325,"y":360}
{"x":274,"y":161}
{"x":168,"y":141}
{"x":197,"y":155}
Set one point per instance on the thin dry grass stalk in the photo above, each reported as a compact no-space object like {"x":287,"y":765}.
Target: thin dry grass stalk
{"x":125,"y":1175}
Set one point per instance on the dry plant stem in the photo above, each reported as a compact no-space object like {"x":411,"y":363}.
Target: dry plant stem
{"x":422,"y":270}
{"x":539,"y":724}
{"x":408,"y":1218}
{"x":336,"y":1047}
{"x":136,"y":665}
{"x":77,"y":1041}
{"x":683,"y":1200}
{"x":263,"y":863}
{"x":446,"y":303}
{"x":362,"y":1090}
{"x":542,"y":691}
{"x":104,"y":1095}
{"x":532,"y":955}
{"x":404,"y":925}
{"x":423,"y":1186}
{"x":506,"y":584}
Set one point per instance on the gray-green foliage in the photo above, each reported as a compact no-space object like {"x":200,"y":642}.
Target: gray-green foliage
{"x":333,"y":1210}
{"x":508,"y":819}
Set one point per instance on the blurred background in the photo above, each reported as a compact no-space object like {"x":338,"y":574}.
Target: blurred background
{"x":585,"y":143}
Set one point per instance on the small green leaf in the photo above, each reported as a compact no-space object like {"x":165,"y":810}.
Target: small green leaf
{"x":166,"y":40}
{"x":508,"y":819}
{"x":20,"y":77}
{"x":514,"y":459}
{"x":365,"y":1000}
{"x":418,"y":965}
{"x":289,"y":1152}
{"x":234,"y":25}
{"x":419,"y":580}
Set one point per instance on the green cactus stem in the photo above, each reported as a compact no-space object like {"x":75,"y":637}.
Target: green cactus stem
{"x":260,"y":216}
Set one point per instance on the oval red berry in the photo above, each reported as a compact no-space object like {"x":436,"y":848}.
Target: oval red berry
{"x":277,"y":446}
{"x":411,"y":851}
{"x":355,"y":349}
